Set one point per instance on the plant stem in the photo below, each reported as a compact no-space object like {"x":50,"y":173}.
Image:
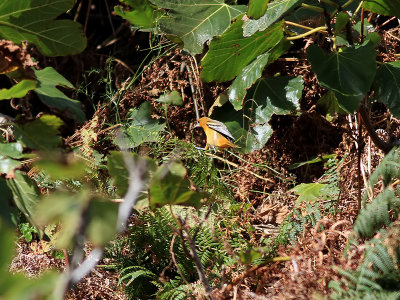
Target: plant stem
{"x":300,"y":36}
{"x":312,"y":7}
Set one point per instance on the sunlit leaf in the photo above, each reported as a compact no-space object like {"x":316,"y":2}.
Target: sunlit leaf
{"x":231,"y":52}
{"x":383,"y":7}
{"x":18,"y":90}
{"x":40,"y":134}
{"x":197,"y":21}
{"x":59,"y":167}
{"x":169,"y":186}
{"x":13,"y":150}
{"x":25,"y":194}
{"x":35,"y":21}
{"x":308,"y":192}
{"x":142,"y":127}
{"x":48,"y":80}
{"x":172,"y":98}
{"x":142,"y":14}
{"x":275,"y":11}
{"x":257,"y":8}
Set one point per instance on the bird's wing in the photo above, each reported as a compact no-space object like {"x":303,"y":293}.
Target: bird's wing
{"x":221,"y":128}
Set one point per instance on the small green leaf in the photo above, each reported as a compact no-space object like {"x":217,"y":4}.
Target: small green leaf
{"x":143,"y":127}
{"x":25,"y":193}
{"x":197,"y":21}
{"x":27,"y":231}
{"x":383,"y":7}
{"x":387,"y":86}
{"x":274,"y":12}
{"x":257,"y":8}
{"x":18,"y":90}
{"x":308,"y":192}
{"x":169,"y":186}
{"x":49,"y":94}
{"x":312,"y":161}
{"x":249,"y":256}
{"x":172,"y":98}
{"x":348,"y":73}
{"x":35,"y":21}
{"x":8,"y":165}
{"x":40,"y":134}
{"x":231,"y":52}
{"x":142,"y":14}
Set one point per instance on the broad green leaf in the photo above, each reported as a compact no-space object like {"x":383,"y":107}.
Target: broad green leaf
{"x":172,"y":98}
{"x":25,"y":194}
{"x":348,"y":73}
{"x":13,"y":150}
{"x":8,"y":165}
{"x":342,"y":19}
{"x":257,"y":8}
{"x":252,"y":72}
{"x":308,"y":192}
{"x":387,"y":86}
{"x":18,"y":90}
{"x":231,"y":52}
{"x":65,"y":208}
{"x":40,"y":134}
{"x":7,"y":237}
{"x":245,"y":80}
{"x":8,"y":212}
{"x":383,"y":7}
{"x":197,"y":21}
{"x":274,"y":12}
{"x":268,"y":96}
{"x":312,"y":161}
{"x":48,"y":80}
{"x":142,"y":14}
{"x":35,"y":21}
{"x":169,"y":186}
{"x":143,"y":127}
{"x":61,"y":167}
{"x":101,"y":221}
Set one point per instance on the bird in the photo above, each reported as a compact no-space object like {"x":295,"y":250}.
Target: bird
{"x":217,"y":134}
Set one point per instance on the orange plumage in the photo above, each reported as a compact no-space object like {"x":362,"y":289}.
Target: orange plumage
{"x":217,"y":133}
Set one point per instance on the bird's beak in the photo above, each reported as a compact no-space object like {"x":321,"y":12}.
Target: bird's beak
{"x":196,"y":125}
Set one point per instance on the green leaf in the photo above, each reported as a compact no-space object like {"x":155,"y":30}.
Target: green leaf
{"x":169,"y":186}
{"x":65,"y":208}
{"x":142,"y":14}
{"x":252,"y":72}
{"x":8,"y":212}
{"x":102,"y":221}
{"x":197,"y":21}
{"x":348,"y":73}
{"x":48,"y":80}
{"x":387,"y":86}
{"x":268,"y":96}
{"x":143,"y":127}
{"x":172,"y":98}
{"x":8,"y":165}
{"x":25,"y":193}
{"x":312,"y":161}
{"x":27,"y":231}
{"x":231,"y":52}
{"x":40,"y":134}
{"x":308,"y":192}
{"x":274,"y":12}
{"x":13,"y":150}
{"x":60,"y":167}
{"x":18,"y":90}
{"x":329,"y":105}
{"x":249,"y":256}
{"x":34,"y":21}
{"x":383,"y":7}
{"x":342,"y":19}
{"x":257,"y":8}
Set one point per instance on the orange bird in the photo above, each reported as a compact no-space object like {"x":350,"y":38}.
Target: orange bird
{"x":217,"y":133}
